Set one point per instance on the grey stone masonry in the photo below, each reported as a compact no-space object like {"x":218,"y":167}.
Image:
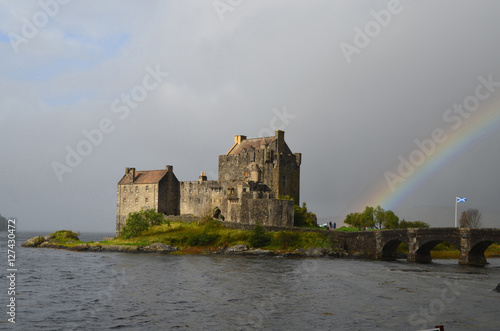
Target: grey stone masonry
{"x":258,"y":181}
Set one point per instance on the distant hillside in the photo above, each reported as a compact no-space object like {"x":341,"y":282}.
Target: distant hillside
{"x":3,"y":223}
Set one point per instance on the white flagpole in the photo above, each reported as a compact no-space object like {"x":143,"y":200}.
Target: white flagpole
{"x":456,"y":203}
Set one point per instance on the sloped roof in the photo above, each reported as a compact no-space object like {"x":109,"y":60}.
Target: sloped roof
{"x":251,"y":143}
{"x":145,"y":177}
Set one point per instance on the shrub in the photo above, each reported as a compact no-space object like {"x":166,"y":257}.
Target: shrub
{"x":416,"y":224}
{"x":259,"y":237}
{"x":288,"y":239}
{"x":212,"y":225}
{"x":303,"y":217}
{"x":64,"y":236}
{"x":206,"y":218}
{"x":202,"y":239}
{"x":140,"y":221}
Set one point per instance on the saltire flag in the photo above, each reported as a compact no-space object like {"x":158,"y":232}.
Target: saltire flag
{"x":461,"y":199}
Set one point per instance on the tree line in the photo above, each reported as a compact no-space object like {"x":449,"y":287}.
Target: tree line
{"x":379,"y":218}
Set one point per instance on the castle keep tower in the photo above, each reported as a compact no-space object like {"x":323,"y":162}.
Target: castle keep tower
{"x":271,"y":161}
{"x":259,"y":180}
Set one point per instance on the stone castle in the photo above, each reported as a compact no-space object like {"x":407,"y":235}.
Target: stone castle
{"x":259,"y":180}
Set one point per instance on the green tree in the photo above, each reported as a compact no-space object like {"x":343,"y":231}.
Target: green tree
{"x":259,"y":237}
{"x":140,"y":221}
{"x":368,"y":218}
{"x":391,"y":221}
{"x":303,"y":217}
{"x":380,"y":216}
{"x":361,"y":220}
{"x":377,"y":218}
{"x":354,"y":220}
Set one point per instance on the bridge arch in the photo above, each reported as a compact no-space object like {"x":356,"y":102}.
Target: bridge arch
{"x":476,"y":242}
{"x":422,"y":241}
{"x":390,"y":247}
{"x":423,"y":252}
{"x":476,"y":254}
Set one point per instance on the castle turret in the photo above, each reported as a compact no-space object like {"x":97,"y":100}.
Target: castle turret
{"x":255,"y":172}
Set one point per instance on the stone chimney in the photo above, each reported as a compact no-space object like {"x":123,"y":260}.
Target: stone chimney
{"x":131,"y":173}
{"x":281,"y":140}
{"x":203,"y":177}
{"x":169,"y":168}
{"x":298,"y":158}
{"x":238,"y":139}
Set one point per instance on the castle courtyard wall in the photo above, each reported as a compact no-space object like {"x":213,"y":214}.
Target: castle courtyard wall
{"x":269,"y":212}
{"x":199,"y":198}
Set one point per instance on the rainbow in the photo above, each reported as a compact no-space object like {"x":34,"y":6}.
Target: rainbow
{"x":484,"y":121}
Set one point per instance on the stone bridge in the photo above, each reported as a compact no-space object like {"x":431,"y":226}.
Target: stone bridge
{"x":381,"y":245}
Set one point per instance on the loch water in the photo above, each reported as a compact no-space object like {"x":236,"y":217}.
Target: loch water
{"x":64,"y":290}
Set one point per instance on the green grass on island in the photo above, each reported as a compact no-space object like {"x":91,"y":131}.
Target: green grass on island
{"x":208,"y":236}
{"x":211,"y":234}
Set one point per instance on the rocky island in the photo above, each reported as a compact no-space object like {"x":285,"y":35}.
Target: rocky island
{"x":209,"y":238}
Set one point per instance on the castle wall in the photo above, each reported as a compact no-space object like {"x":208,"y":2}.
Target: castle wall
{"x":133,"y":198}
{"x":270,"y":212}
{"x":200,"y":198}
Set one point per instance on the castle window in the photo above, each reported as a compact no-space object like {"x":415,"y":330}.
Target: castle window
{"x":124,"y":201}
{"x":206,"y":190}
{"x":190,"y":190}
{"x":146,"y":200}
{"x":136,"y":200}
{"x":125,"y":189}
{"x":147,"y":188}
{"x":199,"y":191}
{"x":137,"y":189}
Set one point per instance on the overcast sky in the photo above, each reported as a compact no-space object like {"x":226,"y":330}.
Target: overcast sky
{"x":148,"y":83}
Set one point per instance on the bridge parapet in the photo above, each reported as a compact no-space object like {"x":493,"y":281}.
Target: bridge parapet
{"x":358,"y":244}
